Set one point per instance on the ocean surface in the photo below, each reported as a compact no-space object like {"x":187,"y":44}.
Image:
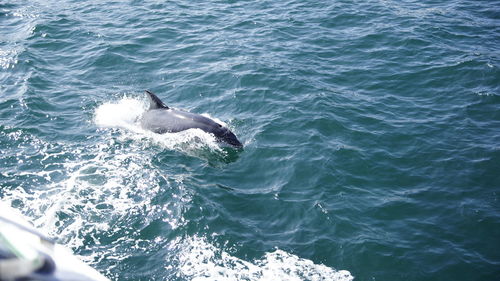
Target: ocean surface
{"x":371,"y":134}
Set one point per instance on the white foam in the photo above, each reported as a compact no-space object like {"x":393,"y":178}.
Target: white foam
{"x":199,"y":260}
{"x":122,"y":114}
{"x":99,"y":184}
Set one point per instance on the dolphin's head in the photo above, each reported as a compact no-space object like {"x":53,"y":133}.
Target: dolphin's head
{"x":223,"y":134}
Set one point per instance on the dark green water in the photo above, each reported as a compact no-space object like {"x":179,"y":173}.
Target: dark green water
{"x":371,"y":133}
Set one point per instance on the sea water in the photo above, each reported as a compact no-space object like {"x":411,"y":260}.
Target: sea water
{"x":371,"y":134}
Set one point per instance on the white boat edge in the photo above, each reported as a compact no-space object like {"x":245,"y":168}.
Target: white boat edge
{"x":33,"y":250}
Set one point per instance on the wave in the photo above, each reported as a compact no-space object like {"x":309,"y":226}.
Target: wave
{"x":199,"y":260}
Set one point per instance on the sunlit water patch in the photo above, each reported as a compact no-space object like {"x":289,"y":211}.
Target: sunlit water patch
{"x":8,"y":58}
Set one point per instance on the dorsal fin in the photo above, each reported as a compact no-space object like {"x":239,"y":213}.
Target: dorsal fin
{"x":155,"y":102}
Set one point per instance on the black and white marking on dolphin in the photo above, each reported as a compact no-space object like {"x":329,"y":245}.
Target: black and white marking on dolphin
{"x":161,"y":119}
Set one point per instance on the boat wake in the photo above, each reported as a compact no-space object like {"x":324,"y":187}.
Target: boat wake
{"x":199,"y":260}
{"x":110,"y":203}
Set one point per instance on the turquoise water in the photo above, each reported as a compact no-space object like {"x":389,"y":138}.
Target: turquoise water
{"x":371,"y":133}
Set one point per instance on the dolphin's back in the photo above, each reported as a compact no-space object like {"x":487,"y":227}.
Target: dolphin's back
{"x":171,"y":121}
{"x":162,"y":119}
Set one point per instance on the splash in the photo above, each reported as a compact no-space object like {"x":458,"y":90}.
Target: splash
{"x":122,"y":114}
{"x":199,"y":260}
{"x":93,"y":189}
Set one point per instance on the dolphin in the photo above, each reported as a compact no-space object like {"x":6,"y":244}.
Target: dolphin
{"x":161,"y":119}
